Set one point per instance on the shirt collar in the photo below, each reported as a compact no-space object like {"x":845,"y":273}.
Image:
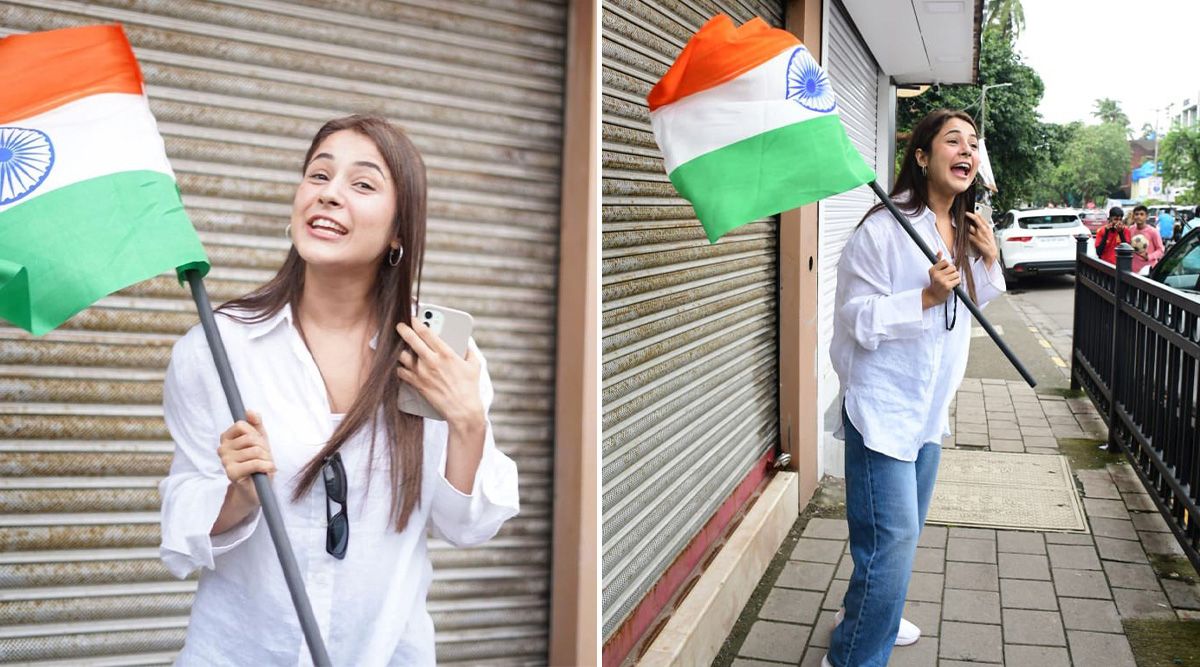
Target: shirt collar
{"x":260,"y":329}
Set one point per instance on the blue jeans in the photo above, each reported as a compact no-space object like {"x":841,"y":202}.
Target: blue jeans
{"x":886,"y":503}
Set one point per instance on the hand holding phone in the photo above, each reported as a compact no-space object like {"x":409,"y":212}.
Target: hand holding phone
{"x":452,"y":334}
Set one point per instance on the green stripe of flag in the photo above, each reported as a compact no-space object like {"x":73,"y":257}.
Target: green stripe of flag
{"x":770,"y":172}
{"x":63,"y":250}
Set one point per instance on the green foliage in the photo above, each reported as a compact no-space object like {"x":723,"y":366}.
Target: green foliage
{"x":1094,"y":162}
{"x":1109,"y":111}
{"x":1180,"y":155}
{"x":1016,"y":137}
{"x":1147,"y":131}
{"x":1005,"y":17}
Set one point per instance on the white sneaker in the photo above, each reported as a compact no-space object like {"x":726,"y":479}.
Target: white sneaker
{"x":825,"y":661}
{"x":908,"y":634}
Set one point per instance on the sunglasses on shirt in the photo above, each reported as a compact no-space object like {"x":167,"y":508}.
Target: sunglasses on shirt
{"x":337,"y":531}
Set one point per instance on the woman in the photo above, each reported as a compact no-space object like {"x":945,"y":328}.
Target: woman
{"x":900,"y":349}
{"x":320,"y":353}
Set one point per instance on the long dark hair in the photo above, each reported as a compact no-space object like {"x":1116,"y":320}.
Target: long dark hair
{"x":396,"y":290}
{"x":911,"y":189}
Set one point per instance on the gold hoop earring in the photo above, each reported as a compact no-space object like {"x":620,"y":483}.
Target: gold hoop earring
{"x":395,"y":256}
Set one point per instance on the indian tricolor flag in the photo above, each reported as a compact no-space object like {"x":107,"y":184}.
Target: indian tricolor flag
{"x":748,"y":126}
{"x":88,"y":201}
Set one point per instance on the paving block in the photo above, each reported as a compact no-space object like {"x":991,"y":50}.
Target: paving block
{"x":769,"y":640}
{"x":1143,"y":604}
{"x":823,"y":629}
{"x":1140,"y":502}
{"x":971,"y":439}
{"x":1073,"y":557}
{"x":1182,"y":594}
{"x":970,"y":642}
{"x":934,"y":536}
{"x":1113,"y":509}
{"x":1044,"y":451}
{"x":791,"y":606}
{"x":1097,"y":648}
{"x":845,"y":568}
{"x":817,"y":551}
{"x":972,"y":576}
{"x":921,"y":654}
{"x":1122,"y":550}
{"x":808,"y":576}
{"x":1026,"y":626}
{"x":925,"y":615}
{"x":1068,"y":538}
{"x":971,"y":606}
{"x":1001,"y":445}
{"x":1161,"y":543}
{"x":972,"y":427}
{"x":973,"y":533}
{"x":827,"y":529}
{"x":1081,"y":584}
{"x":1027,"y":594}
{"x":1020,"y":543}
{"x":812,"y":657}
{"x":970,"y":551}
{"x":925,"y":587}
{"x":1095,"y":615}
{"x":837,"y":591}
{"x":930,"y":560}
{"x":1025,"y":566}
{"x":1137,"y":576}
{"x":1039,"y":656}
{"x":743,"y":662}
{"x":1115,"y":528}
{"x":1149,"y":521}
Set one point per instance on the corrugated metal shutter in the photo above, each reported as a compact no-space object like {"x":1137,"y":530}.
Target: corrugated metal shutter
{"x":239,"y":87}
{"x":690,"y":381}
{"x":855,"y":79}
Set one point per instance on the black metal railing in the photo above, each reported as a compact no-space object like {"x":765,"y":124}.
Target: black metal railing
{"x":1136,"y":353}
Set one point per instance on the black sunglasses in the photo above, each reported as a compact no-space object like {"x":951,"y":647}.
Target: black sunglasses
{"x":337,"y":532}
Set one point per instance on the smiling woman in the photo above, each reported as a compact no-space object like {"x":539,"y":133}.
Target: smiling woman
{"x":325,"y":346}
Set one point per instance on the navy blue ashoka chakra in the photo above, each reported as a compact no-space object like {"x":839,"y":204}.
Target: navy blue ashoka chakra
{"x":807,"y":83}
{"x":26,"y":158}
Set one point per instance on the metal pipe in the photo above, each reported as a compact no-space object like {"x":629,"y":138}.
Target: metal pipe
{"x":958,"y":290}
{"x":262,"y":485}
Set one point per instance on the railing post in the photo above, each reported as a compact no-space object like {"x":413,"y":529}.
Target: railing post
{"x":1124,"y":265}
{"x":1081,"y":246}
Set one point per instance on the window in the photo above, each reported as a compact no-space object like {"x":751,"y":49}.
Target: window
{"x":1181,"y":267}
{"x":1049,"y":221}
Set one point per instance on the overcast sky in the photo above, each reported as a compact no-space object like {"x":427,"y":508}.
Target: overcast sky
{"x":1144,"y":54}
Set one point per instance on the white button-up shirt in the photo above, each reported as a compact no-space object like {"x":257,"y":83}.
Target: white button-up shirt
{"x":370,"y":606}
{"x":898,"y":365}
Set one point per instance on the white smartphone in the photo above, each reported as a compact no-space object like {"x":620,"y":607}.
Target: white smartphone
{"x":454,"y":328}
{"x":984,"y":211}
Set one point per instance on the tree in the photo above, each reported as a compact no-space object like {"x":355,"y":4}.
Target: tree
{"x":1147,"y":131}
{"x":1007,"y":17}
{"x":1015,"y":134}
{"x":1094,"y":162}
{"x":1109,"y":111}
{"x":1179,"y":152}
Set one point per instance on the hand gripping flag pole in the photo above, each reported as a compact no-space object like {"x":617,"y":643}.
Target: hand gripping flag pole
{"x":89,"y":205}
{"x":958,"y":289}
{"x":748,"y":126}
{"x":262,"y":485}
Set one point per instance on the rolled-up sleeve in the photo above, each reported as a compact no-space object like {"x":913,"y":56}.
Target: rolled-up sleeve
{"x":469,"y":519}
{"x":194,"y":490}
{"x":870,"y":310}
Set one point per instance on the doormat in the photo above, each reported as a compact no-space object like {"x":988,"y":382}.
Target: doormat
{"x":1006,"y":490}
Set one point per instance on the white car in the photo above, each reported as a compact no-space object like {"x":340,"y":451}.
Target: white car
{"x":1039,"y":241}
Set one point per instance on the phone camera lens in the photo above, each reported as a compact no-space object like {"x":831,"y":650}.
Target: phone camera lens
{"x":429,"y":314}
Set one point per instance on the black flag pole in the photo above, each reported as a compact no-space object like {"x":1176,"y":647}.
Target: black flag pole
{"x":266,"y":495}
{"x":958,"y":290}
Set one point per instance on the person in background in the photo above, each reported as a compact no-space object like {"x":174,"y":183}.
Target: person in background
{"x":1166,"y":224}
{"x":1145,"y":256}
{"x":1111,"y":235}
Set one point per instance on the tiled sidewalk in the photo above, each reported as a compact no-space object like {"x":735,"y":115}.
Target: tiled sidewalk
{"x":997,"y":596}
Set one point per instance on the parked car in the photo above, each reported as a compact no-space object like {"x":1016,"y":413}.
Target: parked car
{"x":1180,"y":267}
{"x":1039,"y":241}
{"x":1094,"y":219}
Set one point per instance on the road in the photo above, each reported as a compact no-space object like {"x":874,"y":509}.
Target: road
{"x":1035,"y":319}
